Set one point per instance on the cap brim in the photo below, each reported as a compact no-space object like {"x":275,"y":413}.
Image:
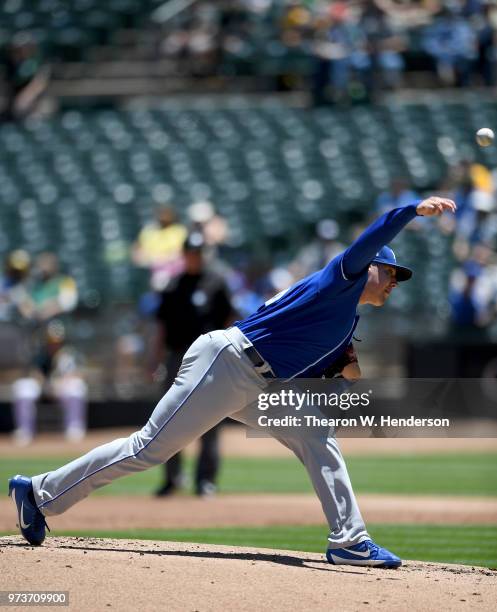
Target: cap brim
{"x":402,"y":273}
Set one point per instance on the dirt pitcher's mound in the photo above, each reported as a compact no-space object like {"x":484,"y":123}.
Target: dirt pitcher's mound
{"x":129,"y":575}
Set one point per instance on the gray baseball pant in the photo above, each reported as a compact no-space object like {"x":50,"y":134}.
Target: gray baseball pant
{"x":216,"y":380}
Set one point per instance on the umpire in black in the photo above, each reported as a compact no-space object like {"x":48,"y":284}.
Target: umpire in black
{"x":194,"y":303}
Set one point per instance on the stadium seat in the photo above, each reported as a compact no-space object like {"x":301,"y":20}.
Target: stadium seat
{"x":83,"y":183}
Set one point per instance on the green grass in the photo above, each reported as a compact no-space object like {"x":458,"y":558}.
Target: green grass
{"x":465,"y":544}
{"x":447,"y":474}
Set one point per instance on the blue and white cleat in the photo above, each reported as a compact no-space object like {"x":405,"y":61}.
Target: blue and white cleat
{"x":31,"y":521}
{"x":366,"y":553}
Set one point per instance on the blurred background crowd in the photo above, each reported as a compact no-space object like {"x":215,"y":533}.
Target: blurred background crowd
{"x":166,"y":167}
{"x":340,"y":52}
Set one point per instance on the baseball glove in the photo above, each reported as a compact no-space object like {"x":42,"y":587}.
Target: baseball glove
{"x":347,"y":358}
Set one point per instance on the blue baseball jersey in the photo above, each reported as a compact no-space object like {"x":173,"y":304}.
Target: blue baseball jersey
{"x":305,"y":328}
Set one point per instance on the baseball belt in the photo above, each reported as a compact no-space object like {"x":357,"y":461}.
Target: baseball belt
{"x":258,"y":361}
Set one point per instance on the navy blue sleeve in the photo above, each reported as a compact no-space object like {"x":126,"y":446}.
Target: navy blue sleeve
{"x":363,"y":250}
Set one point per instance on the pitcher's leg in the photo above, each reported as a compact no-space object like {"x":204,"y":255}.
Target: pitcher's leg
{"x":211,"y":384}
{"x":325,"y":465}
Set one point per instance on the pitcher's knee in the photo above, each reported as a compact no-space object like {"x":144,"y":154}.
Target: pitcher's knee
{"x":148,"y":449}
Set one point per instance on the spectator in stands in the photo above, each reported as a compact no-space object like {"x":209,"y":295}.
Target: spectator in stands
{"x":473,"y":299}
{"x":215,"y":230}
{"x":409,"y":13}
{"x":295,"y":24}
{"x":55,"y":375}
{"x":485,"y":26}
{"x":14,"y":301}
{"x":14,"y":297}
{"x":194,"y":41}
{"x":52,"y":292}
{"x":321,"y":250}
{"x":194,"y":303}
{"x":245,"y":287}
{"x":340,"y":51}
{"x":54,"y":366}
{"x":452,"y":43}
{"x":26,"y":391}
{"x":358,"y":46}
{"x":213,"y":227}
{"x":158,"y":247}
{"x":465,"y":309}
{"x":26,"y":76}
{"x":295,"y":27}
{"x":385,"y":46}
{"x":474,"y":194}
{"x":67,"y":385}
{"x":462,"y":177}
{"x":203,"y":50}
{"x":399,"y":194}
{"x":480,"y":224}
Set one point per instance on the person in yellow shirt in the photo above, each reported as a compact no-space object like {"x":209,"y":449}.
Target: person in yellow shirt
{"x":158,"y":247}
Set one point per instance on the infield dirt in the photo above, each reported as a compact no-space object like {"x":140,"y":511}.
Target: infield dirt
{"x":129,"y":575}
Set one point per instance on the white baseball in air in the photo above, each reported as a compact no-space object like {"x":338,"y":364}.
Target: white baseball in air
{"x":485,"y":137}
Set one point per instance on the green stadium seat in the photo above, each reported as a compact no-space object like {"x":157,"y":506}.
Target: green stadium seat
{"x":92,"y":179}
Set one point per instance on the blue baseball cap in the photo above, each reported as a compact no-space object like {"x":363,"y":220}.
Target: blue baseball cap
{"x":386,"y":256}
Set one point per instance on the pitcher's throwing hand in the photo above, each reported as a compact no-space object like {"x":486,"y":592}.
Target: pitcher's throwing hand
{"x":434,"y":206}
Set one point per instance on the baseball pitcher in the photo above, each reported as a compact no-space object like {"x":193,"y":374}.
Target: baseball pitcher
{"x":297,"y":334}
